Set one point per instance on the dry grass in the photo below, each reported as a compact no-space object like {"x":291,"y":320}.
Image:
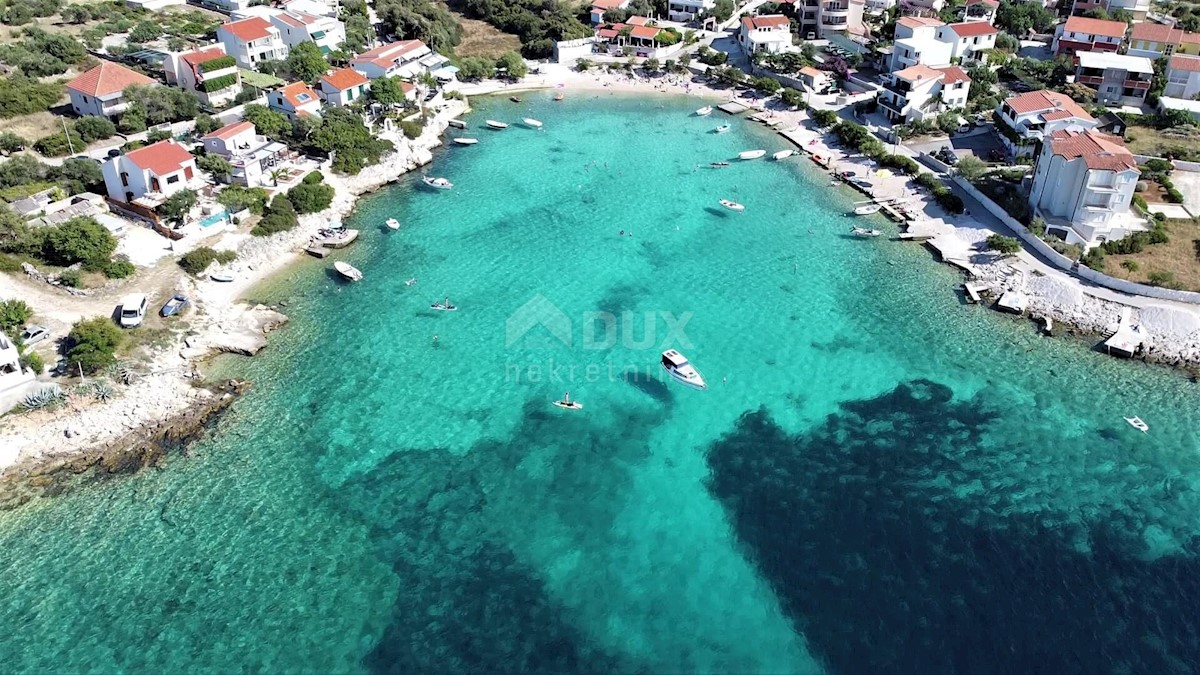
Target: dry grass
{"x":482,"y":39}
{"x":1180,"y":256}
{"x":35,"y":126}
{"x":1150,"y":141}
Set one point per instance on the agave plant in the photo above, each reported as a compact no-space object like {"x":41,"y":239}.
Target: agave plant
{"x":103,"y":391}
{"x":46,"y":397}
{"x":122,"y":372}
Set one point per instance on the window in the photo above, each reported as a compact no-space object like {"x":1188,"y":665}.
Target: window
{"x":187,"y":172}
{"x":303,"y":98}
{"x":125,"y":179}
{"x":171,"y":180}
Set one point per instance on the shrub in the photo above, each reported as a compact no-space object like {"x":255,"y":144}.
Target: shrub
{"x":236,"y":198}
{"x":792,"y":97}
{"x":929,"y":180}
{"x":1130,"y":265}
{"x":10,"y":142}
{"x":950,"y":201}
{"x":1002,"y":244}
{"x":1174,"y":195}
{"x":825,"y":118}
{"x":280,"y":217}
{"x":60,"y":144}
{"x":119,"y":269}
{"x":902,"y":162}
{"x":1094,"y":259}
{"x":313,"y":177}
{"x":1161,"y":278}
{"x":33,"y":361}
{"x":92,"y":344}
{"x":1158,"y":165}
{"x":196,"y":261}
{"x":79,"y":240}
{"x":13,"y":315}
{"x":1037,"y":226}
{"x":70,"y":278}
{"x":411,"y":129}
{"x":311,"y":197}
{"x":1140,"y":202}
{"x":20,"y":95}
{"x":95,"y":129}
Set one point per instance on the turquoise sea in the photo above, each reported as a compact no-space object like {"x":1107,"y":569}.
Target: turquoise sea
{"x":879,"y":479}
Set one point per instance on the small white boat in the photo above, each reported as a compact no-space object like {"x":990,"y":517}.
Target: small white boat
{"x":532,"y":123}
{"x":393,"y":224}
{"x":559,"y":96}
{"x":223,"y":277}
{"x":705,"y":111}
{"x":462,"y":140}
{"x":867,"y":209}
{"x":437,"y":183}
{"x":1137,"y":423}
{"x":732,"y":206}
{"x":751,"y":154}
{"x":783,"y":154}
{"x":411,"y":281}
{"x":864,"y":232}
{"x":347,"y":270}
{"x":681,"y":371}
{"x":722,"y":129}
{"x":567,"y":403}
{"x":496,"y":125}
{"x":444,"y":306}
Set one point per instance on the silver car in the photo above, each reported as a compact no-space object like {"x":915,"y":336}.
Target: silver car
{"x":34,"y":334}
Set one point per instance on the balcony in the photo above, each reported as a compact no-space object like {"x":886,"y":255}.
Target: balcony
{"x":1091,"y":80}
{"x":834,"y":8}
{"x":896,"y":106}
{"x":1136,"y":84}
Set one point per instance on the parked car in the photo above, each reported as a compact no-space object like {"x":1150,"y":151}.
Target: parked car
{"x":946,"y":155}
{"x":34,"y":334}
{"x":133,"y":310}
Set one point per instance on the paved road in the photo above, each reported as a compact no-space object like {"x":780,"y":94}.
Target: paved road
{"x":979,"y":141}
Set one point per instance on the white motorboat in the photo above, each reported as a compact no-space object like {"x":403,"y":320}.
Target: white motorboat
{"x":732,"y":206}
{"x":437,"y":183}
{"x":462,"y":140}
{"x":393,"y":224}
{"x":444,"y":306}
{"x":567,"y":403}
{"x":751,"y":154}
{"x":705,"y":111}
{"x":496,"y":125}
{"x":348,"y":271}
{"x":867,"y":209}
{"x":1137,"y":423}
{"x":681,"y":371}
{"x":864,"y":232}
{"x":223,"y":277}
{"x":532,"y":123}
{"x":411,"y":281}
{"x":783,"y":154}
{"x":722,"y":129}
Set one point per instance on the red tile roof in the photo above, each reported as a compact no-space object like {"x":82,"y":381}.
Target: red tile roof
{"x":638,"y":21}
{"x":1042,"y":99}
{"x":767,"y":21}
{"x":160,"y":158}
{"x":644,"y":32}
{"x":952,"y":74}
{"x":810,"y":71}
{"x":1057,"y":115}
{"x":1099,"y":151}
{"x":992,"y":3}
{"x":343,"y":79}
{"x":1082,"y":24}
{"x":203,"y":55}
{"x":607,"y":4}
{"x":1185,"y":64}
{"x":107,"y":78}
{"x":230,"y":130}
{"x":1156,"y":32}
{"x":973,"y":29}
{"x":919,"y":21}
{"x":296,"y":92}
{"x":385,"y":55}
{"x":290,"y":20}
{"x":248,"y":30}
{"x":917,"y":73}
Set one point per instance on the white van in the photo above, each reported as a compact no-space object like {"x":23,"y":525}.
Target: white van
{"x":133,"y":310}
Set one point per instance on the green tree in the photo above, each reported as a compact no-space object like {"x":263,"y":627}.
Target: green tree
{"x":1003,"y":245}
{"x":197,"y":260}
{"x":206,"y":124}
{"x":93,"y":344}
{"x":145,"y":31}
{"x":1019,"y":18}
{"x":311,"y":197}
{"x":216,"y":165}
{"x":76,"y":14}
{"x":62,"y":143}
{"x":92,"y":129}
{"x":421,"y":20}
{"x":79,"y":240}
{"x":513,"y":65}
{"x":13,"y":315}
{"x":359,"y":30}
{"x":21,"y":170}
{"x":825,"y":118}
{"x":651,"y":65}
{"x":236,"y":198}
{"x":474,"y":68}
{"x":982,"y":81}
{"x":279,"y":217}
{"x":77,"y":175}
{"x":723,"y":10}
{"x":306,"y":62}
{"x":268,"y":122}
{"x":20,"y":95}
{"x":10,"y":142}
{"x":971,"y":167}
{"x":177,"y":206}
{"x":353,"y":146}
{"x":156,"y":104}
{"x":387,"y":90}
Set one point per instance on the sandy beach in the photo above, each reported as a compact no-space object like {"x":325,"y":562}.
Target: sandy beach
{"x":223,"y":324}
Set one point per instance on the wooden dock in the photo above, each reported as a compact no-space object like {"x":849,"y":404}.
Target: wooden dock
{"x":915,"y":236}
{"x":733,"y":108}
{"x":317,"y":251}
{"x":973,"y":291}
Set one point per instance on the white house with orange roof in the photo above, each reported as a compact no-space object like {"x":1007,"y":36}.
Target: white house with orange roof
{"x":99,"y":92}
{"x":252,"y":41}
{"x":252,"y":157}
{"x":395,"y":59}
{"x":1156,"y":40}
{"x":295,"y":100}
{"x":920,"y":92}
{"x":1025,"y":119}
{"x":295,"y":27}
{"x":599,"y":7}
{"x":969,"y":40}
{"x":147,"y":176}
{"x":1083,"y":183}
{"x":916,"y":42}
{"x":1081,"y":34}
{"x":1183,"y":77}
{"x":208,"y":72}
{"x":768,"y":33}
{"x":343,"y":86}
{"x":817,"y":81}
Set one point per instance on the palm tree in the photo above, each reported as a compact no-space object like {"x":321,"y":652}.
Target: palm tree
{"x":276,"y":175}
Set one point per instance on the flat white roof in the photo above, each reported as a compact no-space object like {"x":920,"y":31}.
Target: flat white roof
{"x":1133,"y":64}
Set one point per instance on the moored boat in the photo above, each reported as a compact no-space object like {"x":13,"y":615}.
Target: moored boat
{"x":175,"y":305}
{"x":1137,"y":423}
{"x":705,"y":111}
{"x":867,"y":209}
{"x":722,"y":129}
{"x":864,"y":232}
{"x":751,"y":154}
{"x":437,"y":183}
{"x":567,"y":403}
{"x":783,"y":154}
{"x":223,"y":277}
{"x":393,"y":224}
{"x":559,"y":96}
{"x":514,"y":99}
{"x":338,"y":237}
{"x":496,"y":125}
{"x":732,"y":206}
{"x":444,"y":306}
{"x":681,"y":371}
{"x":462,"y":140}
{"x":532,"y":123}
{"x":348,"y":271}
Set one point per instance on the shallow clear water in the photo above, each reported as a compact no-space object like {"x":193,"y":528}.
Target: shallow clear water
{"x":878,"y":479}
